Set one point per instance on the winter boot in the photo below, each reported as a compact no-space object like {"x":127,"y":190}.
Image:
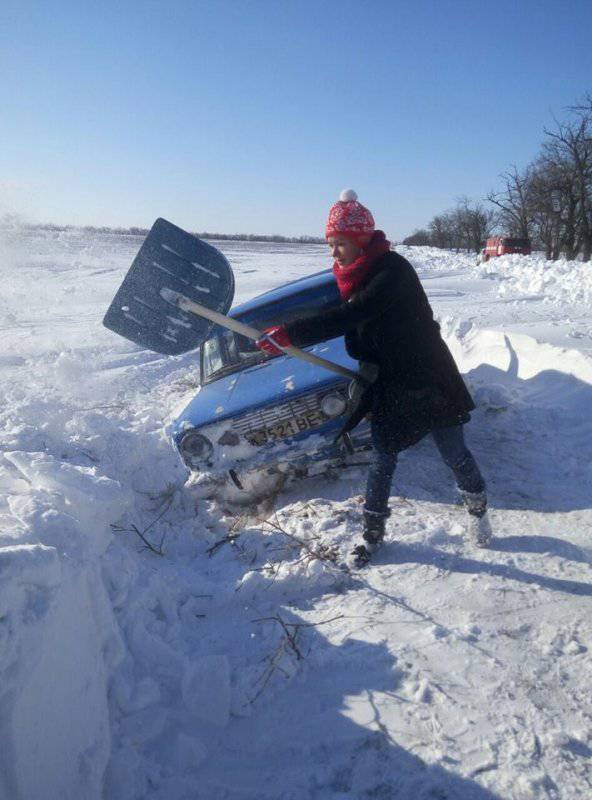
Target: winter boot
{"x":479,"y":527}
{"x":373,"y":536}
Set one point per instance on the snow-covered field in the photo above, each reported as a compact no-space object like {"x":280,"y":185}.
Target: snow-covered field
{"x":241,"y":663}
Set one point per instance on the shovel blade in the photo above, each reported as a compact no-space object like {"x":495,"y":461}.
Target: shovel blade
{"x":174,"y":260}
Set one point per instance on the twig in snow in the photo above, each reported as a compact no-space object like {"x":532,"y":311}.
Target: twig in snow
{"x":291,"y":629}
{"x":274,"y":664}
{"x":302,"y":624}
{"x":228,"y":539}
{"x":147,"y":544}
{"x":156,"y":549}
{"x":232,"y":535}
{"x":167,"y":503}
{"x":287,"y":642}
{"x":308,"y":508}
{"x":318,"y":551}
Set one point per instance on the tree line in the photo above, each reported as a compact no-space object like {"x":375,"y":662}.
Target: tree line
{"x":549,"y":201}
{"x":8,"y":221}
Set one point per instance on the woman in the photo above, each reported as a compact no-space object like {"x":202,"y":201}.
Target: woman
{"x":388,"y":323}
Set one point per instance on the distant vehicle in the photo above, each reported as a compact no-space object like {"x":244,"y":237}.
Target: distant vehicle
{"x":253,"y":410}
{"x":504,"y":245}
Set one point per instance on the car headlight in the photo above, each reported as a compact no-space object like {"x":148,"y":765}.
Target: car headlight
{"x":333,"y":405}
{"x":195,"y":449}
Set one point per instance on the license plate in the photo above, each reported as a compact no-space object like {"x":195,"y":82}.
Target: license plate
{"x":286,"y":428}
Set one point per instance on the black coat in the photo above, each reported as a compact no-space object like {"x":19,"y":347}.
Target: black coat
{"x":389,"y":322}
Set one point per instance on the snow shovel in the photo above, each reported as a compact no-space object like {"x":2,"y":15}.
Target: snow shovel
{"x":176,"y":290}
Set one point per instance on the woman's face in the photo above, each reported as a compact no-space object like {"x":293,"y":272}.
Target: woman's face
{"x":344,"y":251}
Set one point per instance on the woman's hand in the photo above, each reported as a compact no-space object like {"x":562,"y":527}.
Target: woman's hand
{"x":273,"y":340}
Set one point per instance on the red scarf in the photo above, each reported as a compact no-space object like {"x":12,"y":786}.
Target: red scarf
{"x":350,"y":278}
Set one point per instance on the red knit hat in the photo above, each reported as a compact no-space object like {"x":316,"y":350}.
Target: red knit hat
{"x":350,"y":219}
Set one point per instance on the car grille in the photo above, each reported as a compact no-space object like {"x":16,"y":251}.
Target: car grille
{"x":270,"y":415}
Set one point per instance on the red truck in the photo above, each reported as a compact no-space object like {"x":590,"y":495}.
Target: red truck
{"x":504,"y":245}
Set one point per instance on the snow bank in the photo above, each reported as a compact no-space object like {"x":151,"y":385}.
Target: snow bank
{"x":59,"y":647}
{"x":428,"y":260}
{"x":559,"y":282}
{"x":519,"y":356}
{"x":61,"y":642}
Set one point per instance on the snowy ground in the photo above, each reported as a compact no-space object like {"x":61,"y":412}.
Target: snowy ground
{"x":242,"y":664}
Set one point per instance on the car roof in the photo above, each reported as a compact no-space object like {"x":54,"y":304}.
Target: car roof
{"x":308,"y":283}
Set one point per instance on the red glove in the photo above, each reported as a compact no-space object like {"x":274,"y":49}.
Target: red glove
{"x":272,"y":337}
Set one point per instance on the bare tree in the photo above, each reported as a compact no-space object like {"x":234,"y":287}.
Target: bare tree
{"x":464,"y":227}
{"x":549,"y":201}
{"x":442,"y":231}
{"x":418,"y":237}
{"x":472,"y":224}
{"x":515,"y":202}
{"x":568,"y":154}
{"x":547,"y":223}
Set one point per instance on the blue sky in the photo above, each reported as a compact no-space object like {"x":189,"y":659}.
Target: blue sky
{"x":251,"y":116}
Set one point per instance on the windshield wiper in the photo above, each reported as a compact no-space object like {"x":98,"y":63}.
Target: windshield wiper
{"x":237,"y":366}
{"x":250,"y":356}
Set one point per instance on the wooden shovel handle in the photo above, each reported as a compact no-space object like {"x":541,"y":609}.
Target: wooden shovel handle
{"x":185,"y":304}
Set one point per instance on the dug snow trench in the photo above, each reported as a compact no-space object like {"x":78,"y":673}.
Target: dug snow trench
{"x":239,"y":662}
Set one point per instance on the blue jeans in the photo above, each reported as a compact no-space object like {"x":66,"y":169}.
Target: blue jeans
{"x":455,"y":454}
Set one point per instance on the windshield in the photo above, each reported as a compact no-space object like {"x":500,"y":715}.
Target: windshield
{"x":230,"y":352}
{"x":524,"y":243}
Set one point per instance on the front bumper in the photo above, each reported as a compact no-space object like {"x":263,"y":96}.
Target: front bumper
{"x":297,"y":451}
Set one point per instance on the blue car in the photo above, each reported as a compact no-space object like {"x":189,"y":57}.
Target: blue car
{"x":253,"y":410}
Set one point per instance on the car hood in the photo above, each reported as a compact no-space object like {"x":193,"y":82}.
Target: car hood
{"x":271,"y":382}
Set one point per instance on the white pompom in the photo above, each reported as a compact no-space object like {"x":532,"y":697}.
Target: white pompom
{"x":347,"y":195}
